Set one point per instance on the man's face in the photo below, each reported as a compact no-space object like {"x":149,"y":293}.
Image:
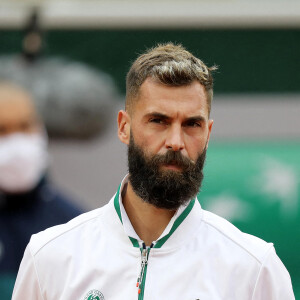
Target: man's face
{"x":17,"y":113}
{"x":168,"y":119}
{"x":23,"y":143}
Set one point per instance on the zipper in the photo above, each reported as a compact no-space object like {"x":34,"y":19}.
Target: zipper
{"x":142,"y":276}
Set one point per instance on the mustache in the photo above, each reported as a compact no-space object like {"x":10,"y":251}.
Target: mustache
{"x":174,"y":158}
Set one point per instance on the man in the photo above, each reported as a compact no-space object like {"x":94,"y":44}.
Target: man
{"x":29,"y":203}
{"x":153,"y":240}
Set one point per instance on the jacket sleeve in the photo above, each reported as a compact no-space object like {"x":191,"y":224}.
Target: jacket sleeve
{"x":27,"y":284}
{"x":274,"y":281}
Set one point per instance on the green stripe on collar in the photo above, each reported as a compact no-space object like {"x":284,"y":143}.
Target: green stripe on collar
{"x":117,"y":204}
{"x":178,"y":221}
{"x":134,"y":241}
{"x":161,"y":241}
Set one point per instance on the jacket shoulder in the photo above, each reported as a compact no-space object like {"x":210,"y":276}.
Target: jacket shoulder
{"x":255,"y":246}
{"x":43,"y":238}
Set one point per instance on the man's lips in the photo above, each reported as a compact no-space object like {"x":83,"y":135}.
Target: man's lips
{"x":172,"y":166}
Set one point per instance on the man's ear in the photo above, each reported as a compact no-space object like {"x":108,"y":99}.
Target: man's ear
{"x":210,"y":124}
{"x":124,"y":127}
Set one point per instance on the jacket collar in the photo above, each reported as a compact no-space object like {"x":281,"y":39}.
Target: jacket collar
{"x":175,"y":227}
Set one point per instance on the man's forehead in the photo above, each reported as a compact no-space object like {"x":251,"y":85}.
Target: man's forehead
{"x":10,"y":93}
{"x":154,"y":95}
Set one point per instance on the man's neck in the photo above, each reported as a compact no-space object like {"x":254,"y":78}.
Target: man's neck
{"x":148,"y":221}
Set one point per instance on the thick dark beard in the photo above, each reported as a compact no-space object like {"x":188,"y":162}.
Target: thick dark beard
{"x":166,"y":189}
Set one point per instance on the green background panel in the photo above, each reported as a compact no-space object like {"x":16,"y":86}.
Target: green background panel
{"x":257,"y":187}
{"x":249,"y":61}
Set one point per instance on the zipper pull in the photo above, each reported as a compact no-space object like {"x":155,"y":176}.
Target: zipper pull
{"x":144,"y":262}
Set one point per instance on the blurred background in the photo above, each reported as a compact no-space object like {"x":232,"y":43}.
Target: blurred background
{"x":74,"y":56}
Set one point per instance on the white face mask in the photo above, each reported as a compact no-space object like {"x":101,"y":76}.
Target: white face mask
{"x":23,"y":160}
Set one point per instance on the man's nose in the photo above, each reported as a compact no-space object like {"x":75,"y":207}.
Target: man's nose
{"x":174,"y":139}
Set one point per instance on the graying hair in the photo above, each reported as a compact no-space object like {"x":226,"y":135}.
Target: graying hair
{"x":171,"y":65}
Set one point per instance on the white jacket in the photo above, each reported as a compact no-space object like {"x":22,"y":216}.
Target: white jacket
{"x":97,"y":256}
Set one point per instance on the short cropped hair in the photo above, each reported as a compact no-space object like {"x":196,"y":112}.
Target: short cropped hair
{"x":171,"y":65}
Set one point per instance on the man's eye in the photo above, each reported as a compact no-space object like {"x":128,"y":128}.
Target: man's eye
{"x":193,"y":124}
{"x":3,"y":130}
{"x":156,"y":120}
{"x":24,"y":126}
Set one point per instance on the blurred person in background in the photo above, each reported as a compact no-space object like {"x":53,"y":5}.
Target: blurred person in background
{"x":153,"y":240}
{"x":73,"y":98}
{"x":29,"y":203}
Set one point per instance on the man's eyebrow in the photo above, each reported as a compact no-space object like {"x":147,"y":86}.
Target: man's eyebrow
{"x":163,"y":116}
{"x":196,"y":119}
{"x":157,"y":115}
